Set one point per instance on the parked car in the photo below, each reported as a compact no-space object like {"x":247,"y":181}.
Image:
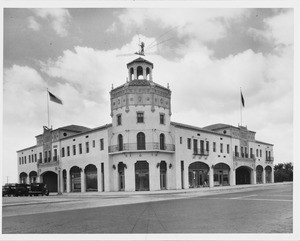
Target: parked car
{"x":22,"y":189}
{"x":9,"y":190}
{"x":38,"y":188}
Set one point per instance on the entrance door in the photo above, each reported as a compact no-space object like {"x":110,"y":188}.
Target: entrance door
{"x":142,"y":176}
{"x":243,"y":175}
{"x":163,"y":175}
{"x":121,"y":176}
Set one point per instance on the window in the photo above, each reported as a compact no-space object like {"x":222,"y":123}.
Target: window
{"x":63,"y":152}
{"x":74,"y":150}
{"x":251,"y":152}
{"x":162,"y":119}
{"x":207,"y":146}
{"x":80,"y":148}
{"x":68,"y":151}
{"x":162,"y":141}
{"x":256,"y":152}
{"x":236,"y":153}
{"x":120,"y":142}
{"x":45,"y":157}
{"x":40,"y":161}
{"x":94,"y":144}
{"x":189,"y":143}
{"x":102,"y":144}
{"x":24,"y":159}
{"x":119,"y":119}
{"x":140,"y":117}
{"x":19,"y":160}
{"x":214,"y":147}
{"x":180,"y":140}
{"x":242,"y":151}
{"x":195,"y":142}
{"x":49,"y":157}
{"x":260,"y":152}
{"x":87,"y":148}
{"x":221,"y":147}
{"x":202,"y":147}
{"x":227,"y":148}
{"x":141,"y":143}
{"x":29,"y":160}
{"x":35,"y":158}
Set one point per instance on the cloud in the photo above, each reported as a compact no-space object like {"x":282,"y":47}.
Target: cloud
{"x":59,"y":19}
{"x":204,"y":24}
{"x":33,"y":24}
{"x":278,"y":29}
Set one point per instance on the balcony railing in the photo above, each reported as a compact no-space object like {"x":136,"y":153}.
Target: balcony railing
{"x":55,"y":158}
{"x":270,"y":159}
{"x":149,"y":146}
{"x":201,"y":152}
{"x":243,"y":156}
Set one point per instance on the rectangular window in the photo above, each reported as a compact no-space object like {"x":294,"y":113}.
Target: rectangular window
{"x":189,"y":143}
{"x":87,"y":148}
{"x":251,"y":152}
{"x":49,"y":157}
{"x":22,"y":160}
{"x":63,"y":152}
{"x":162,"y":119}
{"x":260,"y":152}
{"x":45,"y":156}
{"x":207,"y":146}
{"x":201,"y":146}
{"x":195,"y":146}
{"x":19,"y":160}
{"x":74,"y":150}
{"x":227,"y":148}
{"x":214,"y":147}
{"x":68,"y":151}
{"x":119,"y":119}
{"x":25,"y":159}
{"x":256,"y":152}
{"x":236,"y":153}
{"x":80,"y":148}
{"x":180,"y":140}
{"x":35,"y":158}
{"x":221,"y":147}
{"x":40,"y":161}
{"x":29,"y":160}
{"x":94,"y":144}
{"x":140,"y":117}
{"x":102,"y":144}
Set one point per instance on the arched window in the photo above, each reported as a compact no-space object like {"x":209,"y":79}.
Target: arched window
{"x":141,"y":144}
{"x":140,"y":74}
{"x":162,"y":141}
{"x":148,"y":73}
{"x":120,"y":142}
{"x":131,"y":74}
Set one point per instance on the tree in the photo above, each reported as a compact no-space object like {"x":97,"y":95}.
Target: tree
{"x":283,"y":172}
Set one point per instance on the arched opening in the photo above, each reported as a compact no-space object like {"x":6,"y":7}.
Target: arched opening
{"x":259,"y":171}
{"x":120,"y":142}
{"x":243,"y":175}
{"x":140,"y":72}
{"x":268,"y":170}
{"x":141,"y":176}
{"x":75,"y":173}
{"x":163,"y":175}
{"x":162,"y":141}
{"x":50,"y":179}
{"x":141,"y":142}
{"x":131,"y":74}
{"x":198,"y":175}
{"x":64,"y":174}
{"x":32,"y":177}
{"x":23,"y":177}
{"x":91,"y":178}
{"x":221,"y":174}
{"x":148,"y":73}
{"x":121,"y":172}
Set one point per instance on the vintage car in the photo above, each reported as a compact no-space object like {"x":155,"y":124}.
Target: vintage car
{"x":22,"y":189}
{"x":38,"y":188}
{"x":9,"y":190}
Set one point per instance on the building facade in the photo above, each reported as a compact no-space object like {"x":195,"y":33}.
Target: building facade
{"x":142,"y":149}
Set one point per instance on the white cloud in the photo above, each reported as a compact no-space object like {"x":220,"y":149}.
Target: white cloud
{"x":278,"y":29}
{"x":59,"y":19}
{"x":33,"y":24}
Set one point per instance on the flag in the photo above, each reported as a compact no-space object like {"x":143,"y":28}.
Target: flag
{"x":242,"y":99}
{"x":54,"y":98}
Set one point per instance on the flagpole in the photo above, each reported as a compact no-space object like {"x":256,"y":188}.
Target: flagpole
{"x":48,"y":107}
{"x":241,"y":107}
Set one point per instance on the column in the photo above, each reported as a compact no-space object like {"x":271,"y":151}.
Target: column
{"x":27,"y":179}
{"x":38,"y":178}
{"x":272,"y":176}
{"x":99,"y":182}
{"x":82,"y":180}
{"x":211,"y":177}
{"x":254,"y":177}
{"x":129,"y":177}
{"x":60,"y":182}
{"x":68,"y":180}
{"x":186,"y":176}
{"x":263,"y":176}
{"x":232,"y":177}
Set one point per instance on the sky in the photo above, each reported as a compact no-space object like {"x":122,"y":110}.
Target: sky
{"x":206,"y":55}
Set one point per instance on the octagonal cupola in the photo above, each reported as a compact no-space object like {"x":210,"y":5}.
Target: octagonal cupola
{"x":140,"y":69}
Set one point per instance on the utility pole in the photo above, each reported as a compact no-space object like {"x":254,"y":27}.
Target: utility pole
{"x":6,"y":179}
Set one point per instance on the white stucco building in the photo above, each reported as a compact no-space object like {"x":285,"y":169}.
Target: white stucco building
{"x":143,"y":150}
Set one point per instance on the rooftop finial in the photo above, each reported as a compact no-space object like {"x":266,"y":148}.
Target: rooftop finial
{"x":168,"y":86}
{"x":112,"y":86}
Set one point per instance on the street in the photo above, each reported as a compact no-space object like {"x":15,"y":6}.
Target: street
{"x":260,"y":210}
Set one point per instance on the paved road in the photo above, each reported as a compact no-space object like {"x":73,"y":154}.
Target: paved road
{"x":267,"y":210}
